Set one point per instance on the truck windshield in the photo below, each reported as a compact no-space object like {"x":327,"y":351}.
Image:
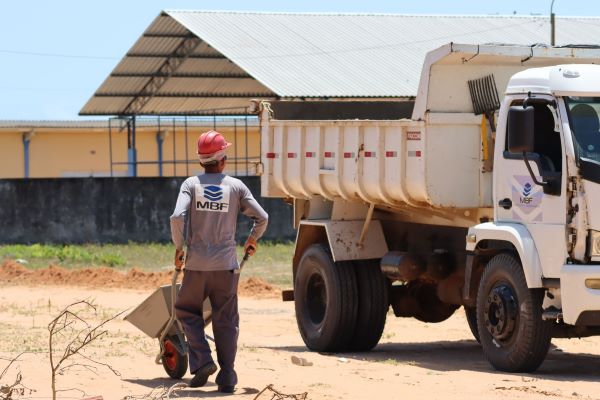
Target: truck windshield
{"x":585,"y":125}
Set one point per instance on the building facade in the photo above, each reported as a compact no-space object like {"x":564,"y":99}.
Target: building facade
{"x":59,"y":149}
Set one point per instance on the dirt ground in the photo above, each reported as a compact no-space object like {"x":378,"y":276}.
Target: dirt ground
{"x":413,"y":360}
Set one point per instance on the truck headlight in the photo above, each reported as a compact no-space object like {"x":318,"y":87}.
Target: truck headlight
{"x":594,"y":247}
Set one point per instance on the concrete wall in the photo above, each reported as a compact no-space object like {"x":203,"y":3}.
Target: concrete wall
{"x":103,"y":210}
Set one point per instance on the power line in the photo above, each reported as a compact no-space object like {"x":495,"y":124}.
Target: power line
{"x":39,"y":89}
{"x":56,"y":55}
{"x":316,"y":52}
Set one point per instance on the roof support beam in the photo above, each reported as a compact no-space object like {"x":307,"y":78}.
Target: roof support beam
{"x":181,"y":75}
{"x":163,"y":113}
{"x":174,"y":56}
{"x":167,"y":35}
{"x":168,"y":67}
{"x":183,"y":94}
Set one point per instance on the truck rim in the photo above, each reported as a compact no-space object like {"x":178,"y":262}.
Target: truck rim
{"x":501,"y":312}
{"x":170,"y":356}
{"x":316,"y":296}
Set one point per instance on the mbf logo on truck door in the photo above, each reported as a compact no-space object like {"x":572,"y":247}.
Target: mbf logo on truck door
{"x":212,"y":198}
{"x":527,"y":199}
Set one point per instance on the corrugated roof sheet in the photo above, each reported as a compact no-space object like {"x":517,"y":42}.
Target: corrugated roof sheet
{"x":253,"y":54}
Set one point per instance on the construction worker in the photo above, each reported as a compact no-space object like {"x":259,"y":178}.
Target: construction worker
{"x":205,"y":219}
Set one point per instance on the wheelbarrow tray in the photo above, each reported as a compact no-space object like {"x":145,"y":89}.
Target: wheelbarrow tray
{"x":153,"y":314}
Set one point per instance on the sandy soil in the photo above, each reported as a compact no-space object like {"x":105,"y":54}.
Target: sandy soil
{"x":413,"y":360}
{"x":14,"y":273}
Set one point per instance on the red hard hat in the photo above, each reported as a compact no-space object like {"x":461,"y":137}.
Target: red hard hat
{"x":210,"y":143}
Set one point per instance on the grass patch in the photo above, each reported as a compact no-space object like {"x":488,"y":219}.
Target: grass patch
{"x":45,"y":254}
{"x":272,"y":262}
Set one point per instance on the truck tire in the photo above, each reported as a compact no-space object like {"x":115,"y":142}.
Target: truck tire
{"x":373,"y":304}
{"x":471,"y":314}
{"x":509,"y":317}
{"x":326,"y":300}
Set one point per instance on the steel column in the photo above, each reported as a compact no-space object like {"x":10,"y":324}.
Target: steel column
{"x":235,"y":146}
{"x":26,"y":140}
{"x":174,"y":150}
{"x":246,"y":139}
{"x":110,"y":155}
{"x":187,"y":154}
{"x":159,"y":143}
{"x":131,"y":150}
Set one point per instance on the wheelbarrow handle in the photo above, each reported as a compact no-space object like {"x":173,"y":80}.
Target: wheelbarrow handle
{"x":172,"y":317}
{"x":244,"y":259}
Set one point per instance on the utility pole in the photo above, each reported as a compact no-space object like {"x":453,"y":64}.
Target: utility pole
{"x":552,"y":24}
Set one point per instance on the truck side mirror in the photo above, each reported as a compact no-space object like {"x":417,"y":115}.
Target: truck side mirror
{"x":520,"y":129}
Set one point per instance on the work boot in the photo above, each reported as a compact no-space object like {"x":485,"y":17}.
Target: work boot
{"x":226,"y":389}
{"x":201,"y":376}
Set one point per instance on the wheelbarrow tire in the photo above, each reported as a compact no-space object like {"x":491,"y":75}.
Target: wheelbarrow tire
{"x":174,"y":363}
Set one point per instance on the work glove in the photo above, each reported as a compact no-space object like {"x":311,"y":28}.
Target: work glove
{"x":179,"y":259}
{"x":250,"y":246}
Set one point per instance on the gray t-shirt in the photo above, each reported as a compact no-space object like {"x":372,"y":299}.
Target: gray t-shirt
{"x":205,"y":219}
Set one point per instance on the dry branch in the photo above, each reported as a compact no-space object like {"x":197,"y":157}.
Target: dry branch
{"x":76,"y":333}
{"x":277,"y":395}
{"x":16,"y":389}
{"x":158,"y":393}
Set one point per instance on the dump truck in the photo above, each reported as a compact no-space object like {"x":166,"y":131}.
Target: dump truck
{"x":467,"y":196}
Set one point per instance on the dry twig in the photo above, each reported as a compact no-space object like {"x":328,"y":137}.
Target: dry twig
{"x":277,"y":395}
{"x":158,"y":393}
{"x":75,"y":333}
{"x":12,"y":390}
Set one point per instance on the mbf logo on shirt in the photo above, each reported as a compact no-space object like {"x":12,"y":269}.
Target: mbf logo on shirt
{"x":212,"y":198}
{"x":214,"y":193}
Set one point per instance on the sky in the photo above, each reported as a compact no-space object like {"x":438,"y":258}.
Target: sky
{"x":55,"y":54}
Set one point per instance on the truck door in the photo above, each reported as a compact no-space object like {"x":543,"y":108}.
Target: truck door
{"x":519,"y":200}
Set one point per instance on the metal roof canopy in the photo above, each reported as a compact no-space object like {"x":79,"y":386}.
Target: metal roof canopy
{"x":213,"y":62}
{"x":171,"y":71}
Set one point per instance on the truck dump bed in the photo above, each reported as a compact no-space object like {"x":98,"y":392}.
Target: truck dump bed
{"x":434,"y":160}
{"x":388,"y":163}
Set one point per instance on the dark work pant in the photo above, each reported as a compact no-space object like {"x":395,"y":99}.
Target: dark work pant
{"x":221,"y":288}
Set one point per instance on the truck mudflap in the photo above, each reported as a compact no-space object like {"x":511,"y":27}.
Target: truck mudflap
{"x":343,"y":238}
{"x":580,"y":302}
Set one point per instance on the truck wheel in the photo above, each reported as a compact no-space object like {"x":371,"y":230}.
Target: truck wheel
{"x":373,"y":304}
{"x":174,"y":363}
{"x":325,"y":297}
{"x":471,"y":314}
{"x":509,"y":317}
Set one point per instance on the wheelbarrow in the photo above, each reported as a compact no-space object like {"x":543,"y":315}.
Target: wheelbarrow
{"x":156,"y":317}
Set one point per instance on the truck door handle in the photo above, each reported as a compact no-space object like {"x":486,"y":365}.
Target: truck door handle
{"x":505,"y":203}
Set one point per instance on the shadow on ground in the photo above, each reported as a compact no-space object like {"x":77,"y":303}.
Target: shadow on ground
{"x":467,"y":355}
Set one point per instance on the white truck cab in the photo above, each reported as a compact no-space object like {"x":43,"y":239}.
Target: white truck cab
{"x":384,"y":198}
{"x":545,"y":208}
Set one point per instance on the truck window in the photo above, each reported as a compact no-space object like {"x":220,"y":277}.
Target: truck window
{"x":546,"y":140}
{"x":585,"y":126}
